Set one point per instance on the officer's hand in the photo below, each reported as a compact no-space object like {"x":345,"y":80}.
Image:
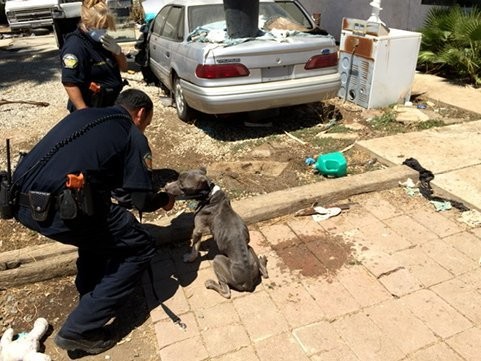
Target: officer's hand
{"x":171,"y":203}
{"x":110,"y":44}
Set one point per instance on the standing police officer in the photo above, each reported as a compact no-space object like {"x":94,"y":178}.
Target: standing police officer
{"x":92,"y":60}
{"x":64,"y":186}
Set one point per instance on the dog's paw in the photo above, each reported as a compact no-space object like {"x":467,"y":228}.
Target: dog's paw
{"x":222,"y":289}
{"x":211,"y":284}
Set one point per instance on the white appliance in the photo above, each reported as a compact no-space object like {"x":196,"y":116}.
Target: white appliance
{"x":376,"y":64}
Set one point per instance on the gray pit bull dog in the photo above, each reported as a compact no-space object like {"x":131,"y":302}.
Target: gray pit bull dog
{"x":236,"y":266}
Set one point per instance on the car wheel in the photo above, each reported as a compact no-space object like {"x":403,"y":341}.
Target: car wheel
{"x":184,"y":112}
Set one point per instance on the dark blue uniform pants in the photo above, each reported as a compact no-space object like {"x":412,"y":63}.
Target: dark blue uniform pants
{"x":112,"y":256}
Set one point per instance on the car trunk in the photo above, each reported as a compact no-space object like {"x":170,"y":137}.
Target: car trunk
{"x":269,"y":60}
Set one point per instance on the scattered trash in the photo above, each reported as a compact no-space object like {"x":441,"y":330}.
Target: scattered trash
{"x":441,"y":206}
{"x":323,"y":214}
{"x":309,"y":161}
{"x":421,"y":106}
{"x":348,"y":147}
{"x":26,"y":346}
{"x":295,"y":138}
{"x":331,"y":164}
{"x":472,"y":218}
{"x":425,"y":178}
{"x":315,"y":210}
{"x":410,"y":187}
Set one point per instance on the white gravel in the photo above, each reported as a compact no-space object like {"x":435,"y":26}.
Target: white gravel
{"x":30,"y":71}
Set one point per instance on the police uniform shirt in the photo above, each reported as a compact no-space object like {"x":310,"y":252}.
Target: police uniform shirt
{"x":115,"y":148}
{"x":84,"y":61}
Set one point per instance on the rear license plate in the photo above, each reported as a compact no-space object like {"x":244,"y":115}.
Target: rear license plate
{"x":276,"y":73}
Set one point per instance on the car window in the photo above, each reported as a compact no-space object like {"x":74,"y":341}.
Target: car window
{"x":159,"y":21}
{"x":295,"y":13}
{"x":173,"y":22}
{"x":205,"y":15}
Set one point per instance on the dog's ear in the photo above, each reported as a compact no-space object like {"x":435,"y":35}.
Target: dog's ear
{"x":203,"y":170}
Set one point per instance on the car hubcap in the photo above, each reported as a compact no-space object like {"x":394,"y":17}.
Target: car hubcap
{"x":179,"y":98}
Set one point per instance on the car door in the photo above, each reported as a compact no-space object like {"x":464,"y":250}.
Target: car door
{"x":167,"y":33}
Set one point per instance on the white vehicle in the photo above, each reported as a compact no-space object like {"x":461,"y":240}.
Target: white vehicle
{"x":29,"y":14}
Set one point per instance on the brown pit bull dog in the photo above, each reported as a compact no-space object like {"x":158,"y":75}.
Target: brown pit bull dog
{"x":236,"y":266}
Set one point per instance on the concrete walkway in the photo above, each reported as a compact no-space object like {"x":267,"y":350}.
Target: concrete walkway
{"x":407,"y":287}
{"x":409,"y":292}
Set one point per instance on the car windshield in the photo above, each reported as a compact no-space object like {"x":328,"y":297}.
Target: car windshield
{"x":213,"y":16}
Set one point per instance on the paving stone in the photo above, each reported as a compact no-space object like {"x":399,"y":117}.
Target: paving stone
{"x":168,"y":332}
{"x":342,"y":353}
{"x":191,"y":349}
{"x":410,"y":229}
{"x":333,"y":298}
{"x":438,"y":352}
{"x":407,"y":331}
{"x":282,"y":347}
{"x":221,"y":340}
{"x":366,"y":340}
{"x":317,"y":337}
{"x":301,"y":260}
{"x":259,"y":243}
{"x":338,"y":224}
{"x":260,"y":316}
{"x":217,"y":316}
{"x":381,"y":207}
{"x":422,"y":267}
{"x":384,"y":238}
{"x":467,"y":344}
{"x":375,"y":261}
{"x":164,"y":301}
{"x":360,"y":217}
{"x":279,"y":274}
{"x":296,"y":304}
{"x":244,"y":354}
{"x":440,"y":317}
{"x":467,"y":243}
{"x":437,"y":223}
{"x":472,"y":279}
{"x":365,"y":289}
{"x":200,"y":297}
{"x":305,"y":227}
{"x":448,"y":257}
{"x":277,"y":234}
{"x":400,"y":282}
{"x":462,"y":297}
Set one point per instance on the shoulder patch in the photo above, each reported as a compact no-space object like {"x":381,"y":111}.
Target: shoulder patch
{"x":148,"y":161}
{"x":70,"y":61}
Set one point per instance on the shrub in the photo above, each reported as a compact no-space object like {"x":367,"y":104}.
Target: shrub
{"x":451,"y":43}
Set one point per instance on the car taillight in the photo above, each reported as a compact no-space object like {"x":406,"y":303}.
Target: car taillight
{"x":217,"y":71}
{"x":321,"y":61}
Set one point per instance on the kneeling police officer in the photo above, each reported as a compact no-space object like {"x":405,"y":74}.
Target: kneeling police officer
{"x":63,"y":188}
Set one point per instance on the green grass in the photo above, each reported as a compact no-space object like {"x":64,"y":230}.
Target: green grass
{"x":432,"y":123}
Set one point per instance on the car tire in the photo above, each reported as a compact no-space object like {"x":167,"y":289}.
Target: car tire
{"x":184,"y":112}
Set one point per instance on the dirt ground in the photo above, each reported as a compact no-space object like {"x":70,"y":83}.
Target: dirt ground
{"x":243,"y":160}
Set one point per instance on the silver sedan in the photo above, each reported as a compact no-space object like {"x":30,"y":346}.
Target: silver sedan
{"x":288,"y":62}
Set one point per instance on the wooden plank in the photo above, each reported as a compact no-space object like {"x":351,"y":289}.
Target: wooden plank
{"x":276,"y":204}
{"x":33,"y":254}
{"x":45,"y":269}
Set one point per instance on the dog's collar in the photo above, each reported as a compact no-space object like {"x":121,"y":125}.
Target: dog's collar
{"x":214,"y":190}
